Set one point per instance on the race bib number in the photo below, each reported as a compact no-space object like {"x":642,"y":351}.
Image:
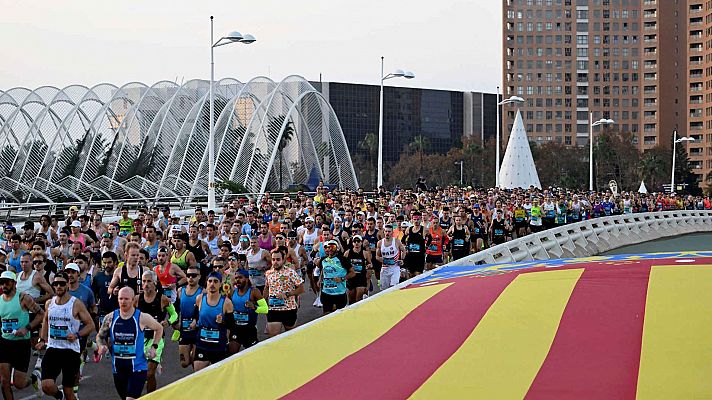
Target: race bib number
{"x":358,"y":267}
{"x":255,"y":272}
{"x":241,"y":318}
{"x":58,"y":332}
{"x":414,"y":247}
{"x":9,"y":326}
{"x":209,"y":335}
{"x":389,"y":261}
{"x":458,"y":242}
{"x":276,"y":302}
{"x":124,"y":350}
{"x":329,"y":283}
{"x":185,"y":324}
{"x":499,"y":232}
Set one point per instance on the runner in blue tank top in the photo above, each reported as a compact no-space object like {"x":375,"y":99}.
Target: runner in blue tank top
{"x":213,"y":317}
{"x":247,"y":302}
{"x":188,"y":336}
{"x":124,"y":330}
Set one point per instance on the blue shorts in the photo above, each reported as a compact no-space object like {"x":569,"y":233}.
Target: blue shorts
{"x":129,"y":383}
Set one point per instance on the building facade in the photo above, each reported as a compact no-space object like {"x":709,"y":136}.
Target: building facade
{"x":440,"y":116}
{"x":646,"y":64}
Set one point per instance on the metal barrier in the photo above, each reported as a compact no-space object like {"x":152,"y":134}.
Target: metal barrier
{"x":594,"y":236}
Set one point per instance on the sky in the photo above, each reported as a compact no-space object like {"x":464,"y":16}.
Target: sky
{"x":448,"y":44}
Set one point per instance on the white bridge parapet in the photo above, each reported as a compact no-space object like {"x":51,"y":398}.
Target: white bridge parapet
{"x":594,"y":236}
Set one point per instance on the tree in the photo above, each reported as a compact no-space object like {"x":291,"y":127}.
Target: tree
{"x":654,"y":167}
{"x":370,"y":144}
{"x":288,"y":134}
{"x":616,"y":158}
{"x":418,"y":145}
{"x":561,"y":166}
{"x":231,"y":186}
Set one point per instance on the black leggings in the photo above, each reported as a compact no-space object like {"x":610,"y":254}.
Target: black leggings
{"x":129,"y":383}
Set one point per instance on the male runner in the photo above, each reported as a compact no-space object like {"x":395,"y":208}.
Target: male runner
{"x":361,"y":262}
{"x":335,"y":271}
{"x":388,"y":251}
{"x":130,"y":274}
{"x":213,"y":316}
{"x":61,"y":330}
{"x":124,"y":329}
{"x":15,"y":325}
{"x":414,"y":242}
{"x":283,"y":285}
{"x":247,"y":302}
{"x":188,"y":336}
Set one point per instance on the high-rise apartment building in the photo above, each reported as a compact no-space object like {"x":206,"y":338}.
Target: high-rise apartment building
{"x":642,"y":63}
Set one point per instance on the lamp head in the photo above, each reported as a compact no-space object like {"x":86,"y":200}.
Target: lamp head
{"x":408,"y":75}
{"x":248,"y":39}
{"x":234,"y":36}
{"x":398,"y":73}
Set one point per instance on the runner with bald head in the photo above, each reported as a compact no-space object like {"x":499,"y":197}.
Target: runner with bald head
{"x":123,"y":333}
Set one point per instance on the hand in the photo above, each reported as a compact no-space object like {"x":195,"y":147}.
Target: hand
{"x":151,"y":353}
{"x":219,"y":319}
{"x":338,"y":279}
{"x":164,"y":323}
{"x":250,"y":305}
{"x":71,"y":337}
{"x":282,"y":296}
{"x":21,"y":332}
{"x":193,"y":325}
{"x":40,"y":345}
{"x":102,"y":350}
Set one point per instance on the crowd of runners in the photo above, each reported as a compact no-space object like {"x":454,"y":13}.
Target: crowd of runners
{"x":76,"y":287}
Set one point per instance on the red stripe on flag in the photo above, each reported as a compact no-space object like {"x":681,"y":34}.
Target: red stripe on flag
{"x":596,"y":351}
{"x":397,"y":363}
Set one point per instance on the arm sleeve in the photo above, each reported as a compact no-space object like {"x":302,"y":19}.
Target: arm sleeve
{"x":261,"y":307}
{"x":172,"y":315}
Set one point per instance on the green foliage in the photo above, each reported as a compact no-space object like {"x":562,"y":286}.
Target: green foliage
{"x":231,"y":186}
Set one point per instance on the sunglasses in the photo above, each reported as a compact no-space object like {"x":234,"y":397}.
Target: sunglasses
{"x":357,"y":240}
{"x":59,"y":283}
{"x":191,"y":275}
{"x":217,"y":266}
{"x":37,"y":262}
{"x":279,"y":238}
{"x":232,"y":259}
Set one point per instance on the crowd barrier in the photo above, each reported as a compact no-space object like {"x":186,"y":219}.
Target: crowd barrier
{"x":594,"y":236}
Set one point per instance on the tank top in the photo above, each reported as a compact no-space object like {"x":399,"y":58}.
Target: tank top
{"x":498,"y":228}
{"x":372,"y":239}
{"x":127,"y":281}
{"x":181,"y":261}
{"x":153,"y":309}
{"x":358,"y":262}
{"x":15,"y":261}
{"x":309,"y":240}
{"x":459,"y":242}
{"x":266,"y":243}
{"x":435,"y":242}
{"x":211,"y":336}
{"x":197,"y":251}
{"x":62,"y":323}
{"x":535,"y":216}
{"x":187,"y":306}
{"x":165,"y":276}
{"x":389,"y":253}
{"x":256,"y":267}
{"x":25,"y":285}
{"x":152,"y":250}
{"x":13,"y":317}
{"x":127,"y":343}
{"x":414,"y":242}
{"x":213,"y":245}
{"x":79,"y":239}
{"x":243,"y":316}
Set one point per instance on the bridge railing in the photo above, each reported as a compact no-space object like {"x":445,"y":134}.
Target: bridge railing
{"x":594,"y":236}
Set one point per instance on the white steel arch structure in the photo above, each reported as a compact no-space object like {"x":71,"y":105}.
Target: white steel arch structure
{"x":138,"y":141}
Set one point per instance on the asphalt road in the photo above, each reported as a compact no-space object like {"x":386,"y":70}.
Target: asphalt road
{"x":98,"y":381}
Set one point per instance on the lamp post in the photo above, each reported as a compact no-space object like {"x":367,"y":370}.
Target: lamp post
{"x":460,"y":163}
{"x":511,"y":100}
{"x":232,"y":37}
{"x":602,"y":121}
{"x":399,"y":73}
{"x":675,"y":141}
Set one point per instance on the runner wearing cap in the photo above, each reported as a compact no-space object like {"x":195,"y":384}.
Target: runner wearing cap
{"x":65,"y":322}
{"x":335,"y":271}
{"x":247,"y":303}
{"x":283,"y":285}
{"x":360,"y":260}
{"x":15,"y":325}
{"x":309,"y":238}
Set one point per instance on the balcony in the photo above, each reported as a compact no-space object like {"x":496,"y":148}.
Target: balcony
{"x":696,"y":114}
{"x":696,"y":76}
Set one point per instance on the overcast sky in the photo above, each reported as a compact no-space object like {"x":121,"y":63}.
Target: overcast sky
{"x":450,"y":44}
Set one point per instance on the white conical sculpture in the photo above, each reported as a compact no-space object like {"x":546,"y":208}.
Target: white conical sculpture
{"x":518,"y":169}
{"x":642,"y":188}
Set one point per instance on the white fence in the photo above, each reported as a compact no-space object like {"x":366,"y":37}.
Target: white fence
{"x":595,"y":236}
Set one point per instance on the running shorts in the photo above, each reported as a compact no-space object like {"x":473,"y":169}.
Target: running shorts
{"x":287,"y":317}
{"x":16,"y":353}
{"x":332,"y":302}
{"x":64,"y":361}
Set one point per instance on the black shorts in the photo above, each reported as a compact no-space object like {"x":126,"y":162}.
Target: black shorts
{"x":188,"y":339}
{"x":357,"y":281}
{"x":210,"y":356}
{"x":286,"y":317}
{"x":332,"y":302}
{"x":246,"y":335}
{"x":458,"y":254}
{"x":16,"y":353}
{"x":64,"y":361}
{"x":415,"y":264}
{"x":129,"y":383}
{"x":536,"y":228}
{"x":434,"y":259}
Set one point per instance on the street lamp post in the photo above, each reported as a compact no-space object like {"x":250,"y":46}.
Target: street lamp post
{"x":460,"y":162}
{"x":511,"y":100}
{"x":232,"y":37}
{"x":399,"y":73}
{"x":675,"y":141}
{"x":591,"y":125}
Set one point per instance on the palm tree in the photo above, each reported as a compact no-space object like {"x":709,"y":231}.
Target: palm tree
{"x":287,"y":135}
{"x":419,"y":144}
{"x":370,"y":144}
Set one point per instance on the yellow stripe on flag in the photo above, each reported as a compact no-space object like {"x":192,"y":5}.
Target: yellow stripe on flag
{"x":503,"y":354}
{"x":676,"y":355}
{"x":277,"y":368}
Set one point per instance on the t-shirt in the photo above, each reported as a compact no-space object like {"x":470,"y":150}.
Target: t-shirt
{"x":84,"y":294}
{"x":331,"y":268}
{"x":282,"y":281}
{"x":99,"y":286}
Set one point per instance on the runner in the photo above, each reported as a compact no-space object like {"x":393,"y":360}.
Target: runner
{"x":170,"y":275}
{"x":283,"y":287}
{"x":61,"y":332}
{"x":123,"y":330}
{"x":414,"y":242}
{"x":361,"y":262}
{"x":335,"y":271}
{"x":388,"y":251}
{"x":155,"y":305}
{"x":258,"y":261}
{"x":247,"y":302}
{"x":435,"y":240}
{"x":128,"y":275}
{"x":188,"y":336}
{"x":15,"y":349}
{"x":459,"y":235}
{"x":213,"y":316}
{"x":309,"y":237}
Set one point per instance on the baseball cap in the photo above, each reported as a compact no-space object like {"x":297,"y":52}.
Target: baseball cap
{"x":76,"y":224}
{"x":292,"y":234}
{"x":73,"y":208}
{"x":8,"y":275}
{"x":404,"y":224}
{"x":73,"y":266}
{"x":357,"y":237}
{"x":28,"y":225}
{"x":176,"y":228}
{"x":309,"y":219}
{"x":331,"y":243}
